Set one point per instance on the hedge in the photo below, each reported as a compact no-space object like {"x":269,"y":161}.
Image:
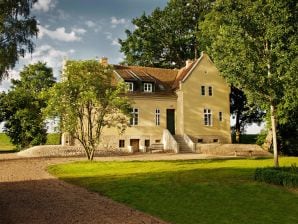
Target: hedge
{"x":284,"y":176}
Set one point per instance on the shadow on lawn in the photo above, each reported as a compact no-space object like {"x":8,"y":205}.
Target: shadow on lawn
{"x":220,"y":195}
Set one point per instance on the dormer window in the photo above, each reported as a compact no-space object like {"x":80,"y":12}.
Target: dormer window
{"x":147,"y":87}
{"x":129,"y":86}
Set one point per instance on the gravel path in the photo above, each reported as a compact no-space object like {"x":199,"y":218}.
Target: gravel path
{"x":28,"y":194}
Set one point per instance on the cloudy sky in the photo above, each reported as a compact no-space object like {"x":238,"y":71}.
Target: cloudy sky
{"x":81,"y":29}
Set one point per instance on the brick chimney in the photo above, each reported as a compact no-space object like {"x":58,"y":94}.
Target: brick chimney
{"x":104,"y":61}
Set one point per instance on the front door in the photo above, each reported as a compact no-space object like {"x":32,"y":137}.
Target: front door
{"x":171,"y":121}
{"x":135,"y":144}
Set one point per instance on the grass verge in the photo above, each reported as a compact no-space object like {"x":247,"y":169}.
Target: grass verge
{"x":187,"y":192}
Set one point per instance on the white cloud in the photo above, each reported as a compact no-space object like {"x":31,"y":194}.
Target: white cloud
{"x":115,"y":42}
{"x":44,"y":5}
{"x":115,"y":21}
{"x":90,"y":23}
{"x":61,"y":34}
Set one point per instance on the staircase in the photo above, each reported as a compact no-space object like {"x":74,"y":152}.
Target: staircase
{"x":183,"y":147}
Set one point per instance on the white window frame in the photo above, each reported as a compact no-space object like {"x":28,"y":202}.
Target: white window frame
{"x":157,"y":117}
{"x":210,"y":91}
{"x":207,"y":117}
{"x":148,"y":87}
{"x":134,"y":119}
{"x":130,"y":86}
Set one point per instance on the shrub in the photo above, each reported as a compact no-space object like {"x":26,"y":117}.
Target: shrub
{"x":284,"y":176}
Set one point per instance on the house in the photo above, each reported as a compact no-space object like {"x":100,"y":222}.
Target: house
{"x":173,"y":109}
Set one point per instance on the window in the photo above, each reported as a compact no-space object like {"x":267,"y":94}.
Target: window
{"x":129,"y":86}
{"x":134,"y":119}
{"x":200,"y":140}
{"x":215,"y":140}
{"x":147,"y":142}
{"x":207,"y":117}
{"x":121,"y":143}
{"x":157,"y":140}
{"x":210,"y":92}
{"x":220,"y":116}
{"x":157,"y":117}
{"x":147,"y":87}
{"x":203,"y":90}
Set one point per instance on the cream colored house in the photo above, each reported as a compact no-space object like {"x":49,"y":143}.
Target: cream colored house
{"x":173,"y":109}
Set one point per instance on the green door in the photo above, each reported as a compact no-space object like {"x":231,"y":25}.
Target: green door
{"x":171,"y":120}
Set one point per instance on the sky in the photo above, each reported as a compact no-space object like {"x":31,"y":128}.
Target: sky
{"x":83,"y":29}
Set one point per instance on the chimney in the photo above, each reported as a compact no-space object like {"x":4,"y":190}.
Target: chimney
{"x":188,"y":63}
{"x":104,"y":61}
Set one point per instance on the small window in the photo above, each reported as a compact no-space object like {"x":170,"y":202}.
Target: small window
{"x":134,"y":119}
{"x":147,"y":142}
{"x":220,"y":116}
{"x":203,"y":90}
{"x":157,"y":141}
{"x":147,"y":87}
{"x":129,"y":86}
{"x":121,"y":143}
{"x":200,"y":140}
{"x":207,"y":117}
{"x":157,"y":117}
{"x":210,"y":91}
{"x":215,"y":140}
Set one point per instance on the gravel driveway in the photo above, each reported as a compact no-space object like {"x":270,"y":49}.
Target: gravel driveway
{"x":28,"y":194}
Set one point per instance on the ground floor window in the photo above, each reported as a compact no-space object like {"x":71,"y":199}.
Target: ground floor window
{"x":207,"y":117}
{"x":157,"y":117}
{"x":147,"y":142}
{"x":121,"y":143}
{"x":220,"y":116}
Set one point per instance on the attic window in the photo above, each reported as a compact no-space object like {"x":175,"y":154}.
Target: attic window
{"x":129,"y":86}
{"x":147,"y":87}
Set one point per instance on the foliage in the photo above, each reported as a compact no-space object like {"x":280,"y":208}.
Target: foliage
{"x":87,"y":101}
{"x":187,"y":192}
{"x":20,"y":108}
{"x":254,"y":44}
{"x":17,"y":28}
{"x":285,"y":176}
{"x":175,"y":26}
{"x":243,"y":111}
{"x":246,"y":139}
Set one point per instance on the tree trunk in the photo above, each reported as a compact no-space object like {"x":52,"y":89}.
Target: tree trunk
{"x":274,"y":138}
{"x":237,"y":127}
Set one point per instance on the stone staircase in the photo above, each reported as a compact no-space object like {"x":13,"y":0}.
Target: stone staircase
{"x":183,"y":147}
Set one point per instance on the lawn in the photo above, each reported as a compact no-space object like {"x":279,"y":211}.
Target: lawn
{"x":195,"y":191}
{"x":5,"y":144}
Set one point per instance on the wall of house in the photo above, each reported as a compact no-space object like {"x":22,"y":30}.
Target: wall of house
{"x":146,"y":128}
{"x":206,"y":74}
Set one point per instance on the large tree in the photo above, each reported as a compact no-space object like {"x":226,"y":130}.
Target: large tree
{"x":254,"y":44}
{"x":17,"y":28}
{"x":167,"y":37}
{"x":87,"y":100}
{"x":21,"y":107}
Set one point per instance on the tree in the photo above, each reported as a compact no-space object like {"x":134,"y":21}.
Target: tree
{"x":20,"y":108}
{"x":166,"y":38}
{"x":254,"y":44}
{"x":88,"y":100}
{"x":243,"y":111}
{"x":17,"y":28}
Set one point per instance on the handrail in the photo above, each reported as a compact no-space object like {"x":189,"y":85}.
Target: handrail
{"x":189,"y":142}
{"x":169,"y":141}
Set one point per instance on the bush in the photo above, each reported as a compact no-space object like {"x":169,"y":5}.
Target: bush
{"x":284,"y":176}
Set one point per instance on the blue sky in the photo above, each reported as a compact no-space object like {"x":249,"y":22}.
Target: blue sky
{"x":81,"y":29}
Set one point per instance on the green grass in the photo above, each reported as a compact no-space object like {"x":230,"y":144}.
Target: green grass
{"x":53,"y":139}
{"x":195,"y":191}
{"x":5,"y":144}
